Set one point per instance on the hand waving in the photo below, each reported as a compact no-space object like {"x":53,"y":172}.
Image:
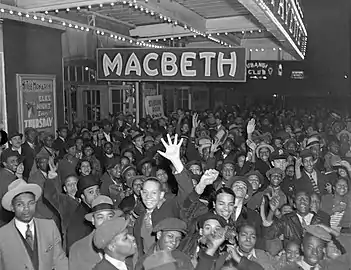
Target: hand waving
{"x":195,"y":121}
{"x":209,"y":177}
{"x":215,"y":146}
{"x":251,"y":126}
{"x":172,"y":152}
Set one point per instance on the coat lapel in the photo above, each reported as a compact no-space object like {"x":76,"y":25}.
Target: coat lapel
{"x":15,"y":237}
{"x":297,"y":225}
{"x":40,"y":241}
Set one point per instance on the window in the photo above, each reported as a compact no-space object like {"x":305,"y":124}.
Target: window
{"x":183,"y":99}
{"x":117,"y":100}
{"x":92,"y":107}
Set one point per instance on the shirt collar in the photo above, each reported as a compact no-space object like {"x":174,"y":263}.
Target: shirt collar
{"x":116,"y":263}
{"x":22,"y":226}
{"x":31,"y":144}
{"x":62,"y":138}
{"x":305,"y":266}
{"x":252,"y":254}
{"x":19,"y":150}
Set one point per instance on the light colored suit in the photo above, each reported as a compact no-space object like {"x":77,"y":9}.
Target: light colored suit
{"x":83,"y":255}
{"x":13,"y":253}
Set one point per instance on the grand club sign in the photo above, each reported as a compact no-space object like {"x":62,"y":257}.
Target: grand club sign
{"x":173,"y":64}
{"x":290,"y":15}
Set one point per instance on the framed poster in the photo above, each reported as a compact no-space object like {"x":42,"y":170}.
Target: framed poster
{"x":36,"y":96}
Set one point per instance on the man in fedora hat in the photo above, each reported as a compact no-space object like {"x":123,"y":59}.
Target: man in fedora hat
{"x":78,"y":227}
{"x":112,"y":237}
{"x":10,"y":162}
{"x":36,"y":242}
{"x":83,"y":254}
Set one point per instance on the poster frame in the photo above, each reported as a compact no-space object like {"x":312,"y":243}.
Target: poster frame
{"x":19,"y":79}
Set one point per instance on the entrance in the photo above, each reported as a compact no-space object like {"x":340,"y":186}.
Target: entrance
{"x":92,"y":101}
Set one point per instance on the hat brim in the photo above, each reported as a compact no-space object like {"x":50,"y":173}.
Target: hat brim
{"x":270,"y":147}
{"x":89,"y":216}
{"x":171,"y":229}
{"x":9,"y":195}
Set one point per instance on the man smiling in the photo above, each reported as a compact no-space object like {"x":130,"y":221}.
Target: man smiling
{"x":169,"y":233}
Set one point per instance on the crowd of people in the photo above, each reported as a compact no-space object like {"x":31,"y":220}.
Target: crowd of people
{"x":236,"y":188}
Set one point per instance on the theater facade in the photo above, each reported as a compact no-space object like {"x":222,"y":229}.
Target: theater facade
{"x":66,"y":61}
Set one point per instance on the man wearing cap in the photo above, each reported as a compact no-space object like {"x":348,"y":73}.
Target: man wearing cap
{"x":83,"y":254}
{"x":111,"y":177}
{"x":60,"y":142}
{"x":310,"y":178}
{"x":78,"y":227}
{"x":315,"y":245}
{"x":112,"y":237}
{"x":279,"y":159}
{"x":30,"y":150}
{"x":27,"y":242}
{"x":206,"y":224}
{"x":275,"y":177}
{"x":314,"y":144}
{"x":15,"y":140}
{"x":67,"y":165}
{"x":9,"y":160}
{"x":169,"y":232}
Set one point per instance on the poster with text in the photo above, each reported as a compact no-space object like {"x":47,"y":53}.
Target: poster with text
{"x":154,"y":106}
{"x":36,"y":96}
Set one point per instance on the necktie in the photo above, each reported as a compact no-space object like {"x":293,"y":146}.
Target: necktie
{"x":314,"y":185}
{"x":147,"y":220}
{"x":303,"y":224}
{"x":29,"y":237}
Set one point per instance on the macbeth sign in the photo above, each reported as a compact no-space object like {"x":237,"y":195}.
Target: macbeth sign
{"x":36,"y":95}
{"x":175,"y":64}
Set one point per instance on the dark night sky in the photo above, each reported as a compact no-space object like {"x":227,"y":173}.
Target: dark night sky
{"x":328,"y":57}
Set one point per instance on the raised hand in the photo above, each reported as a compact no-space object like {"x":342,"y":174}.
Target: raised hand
{"x":172,"y":152}
{"x":209,"y":177}
{"x":251,"y":126}
{"x":215,"y":146}
{"x":195,"y":121}
{"x":273,"y":202}
{"x":19,"y":171}
{"x":52,"y":166}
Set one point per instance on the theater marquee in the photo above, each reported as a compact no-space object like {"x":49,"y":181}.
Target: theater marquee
{"x":174,"y":64}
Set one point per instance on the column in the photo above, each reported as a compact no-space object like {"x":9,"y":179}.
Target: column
{"x":3,"y":107}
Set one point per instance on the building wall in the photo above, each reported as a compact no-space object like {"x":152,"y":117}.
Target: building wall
{"x":31,"y":49}
{"x":328,"y":50}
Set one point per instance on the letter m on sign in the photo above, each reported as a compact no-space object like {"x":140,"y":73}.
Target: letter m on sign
{"x":109,"y":66}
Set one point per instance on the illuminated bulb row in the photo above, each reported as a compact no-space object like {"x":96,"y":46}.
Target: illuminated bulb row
{"x":78,"y":27}
{"x":264,"y":49}
{"x":162,"y":17}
